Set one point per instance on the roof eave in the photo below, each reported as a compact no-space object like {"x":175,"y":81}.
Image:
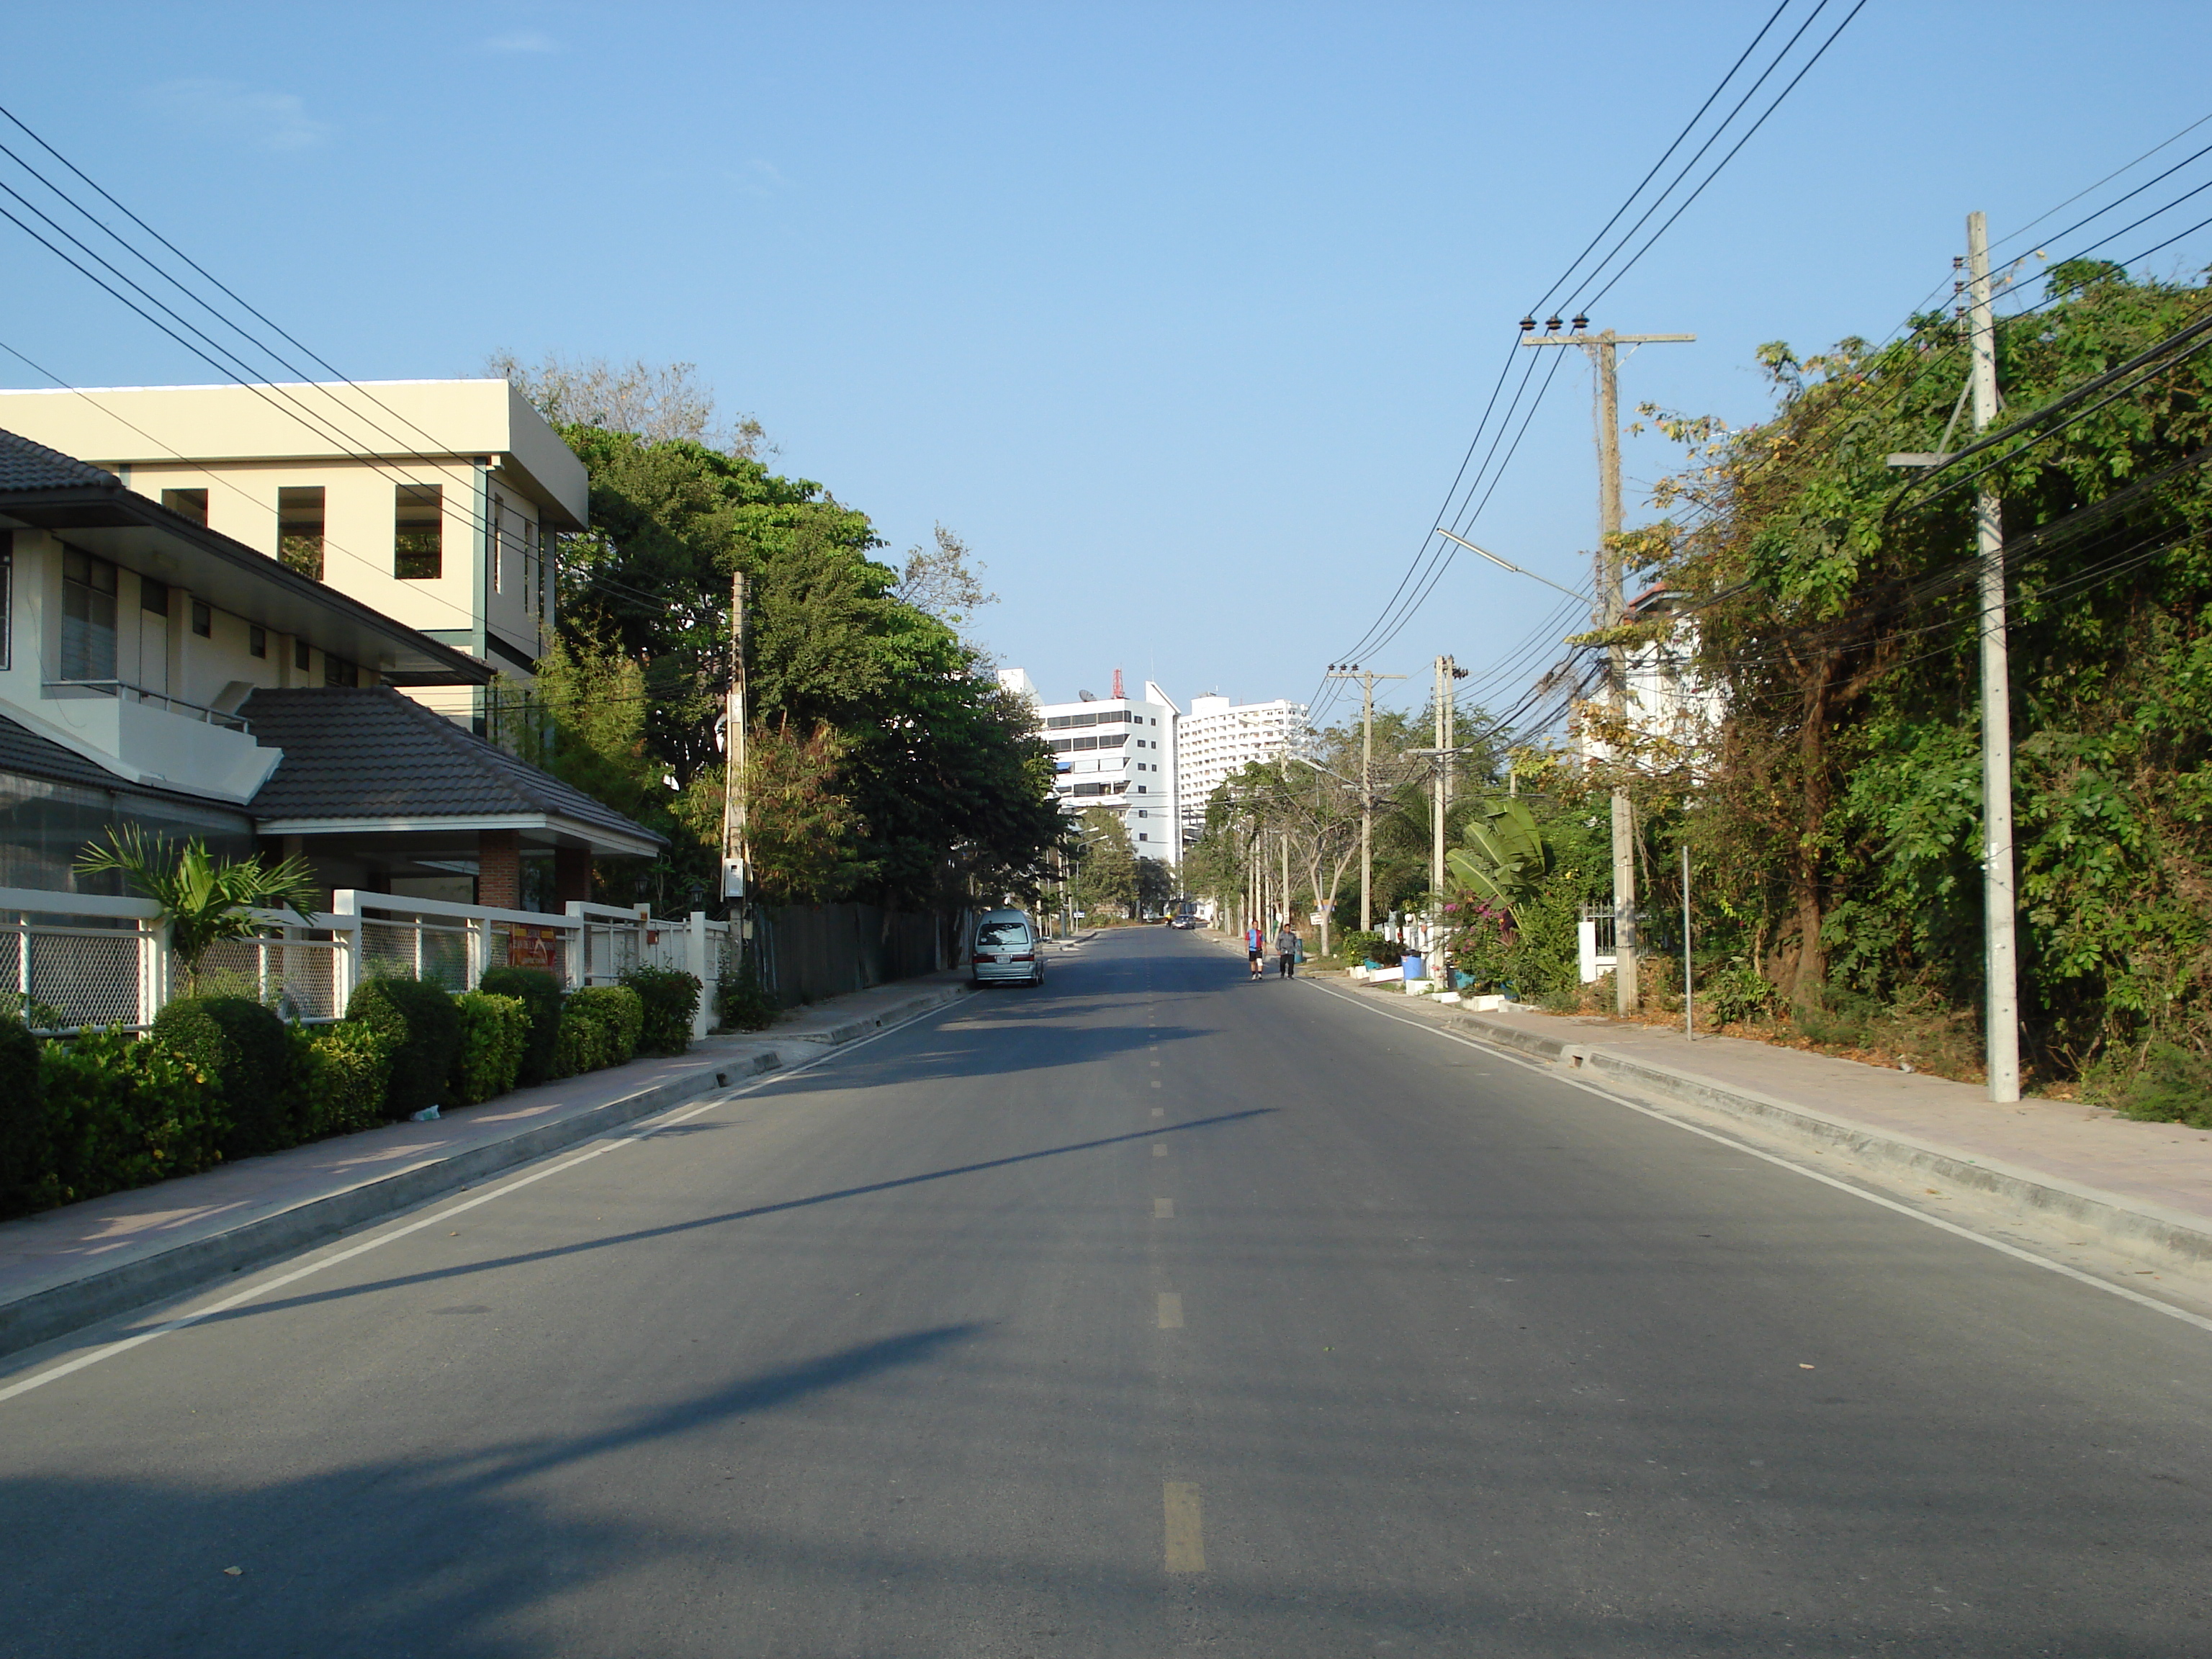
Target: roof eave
{"x":610,"y":843}
{"x":94,"y":509}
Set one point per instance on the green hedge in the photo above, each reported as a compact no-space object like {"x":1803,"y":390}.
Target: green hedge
{"x":220,"y":1077}
{"x":599,"y":1027}
{"x":339,"y":1075}
{"x":742,"y":1002}
{"x":244,"y":1049}
{"x":493,"y":1031}
{"x":424,"y":1028}
{"x":671,"y":997}
{"x":120,"y":1113}
{"x":22,"y":1117}
{"x":540,"y":993}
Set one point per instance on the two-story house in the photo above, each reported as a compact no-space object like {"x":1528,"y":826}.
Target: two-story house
{"x":430,"y":501}
{"x":153,"y":670}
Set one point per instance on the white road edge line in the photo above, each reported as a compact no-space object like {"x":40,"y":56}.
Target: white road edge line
{"x":655,"y":1124}
{"x":1730,"y":1141}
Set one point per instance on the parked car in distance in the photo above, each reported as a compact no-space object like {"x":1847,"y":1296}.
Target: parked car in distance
{"x":1005,"y":951}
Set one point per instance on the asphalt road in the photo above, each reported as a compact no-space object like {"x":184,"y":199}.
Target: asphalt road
{"x":1151,"y":1313}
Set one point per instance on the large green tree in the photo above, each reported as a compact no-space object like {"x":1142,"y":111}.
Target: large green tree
{"x":1837,"y":818}
{"x":930,"y":783}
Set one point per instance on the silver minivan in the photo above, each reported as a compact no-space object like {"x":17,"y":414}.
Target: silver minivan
{"x":1006,"y":950}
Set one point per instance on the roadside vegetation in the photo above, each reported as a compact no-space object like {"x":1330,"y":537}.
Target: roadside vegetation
{"x":1832,"y":804}
{"x":885,"y":763}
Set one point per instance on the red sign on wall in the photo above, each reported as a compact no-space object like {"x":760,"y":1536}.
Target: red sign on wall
{"x":533,"y":947}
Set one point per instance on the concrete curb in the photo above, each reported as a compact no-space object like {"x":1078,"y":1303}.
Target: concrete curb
{"x":847,"y":1031}
{"x":2134,"y":1225}
{"x":60,"y":1309}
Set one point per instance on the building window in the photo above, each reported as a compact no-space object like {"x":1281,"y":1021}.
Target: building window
{"x":336,"y":670}
{"x":88,"y":617}
{"x":152,"y":596}
{"x":187,"y":504}
{"x":257,"y":640}
{"x":418,"y":537}
{"x":202,"y":619}
{"x":300,"y":655}
{"x":299,"y":529}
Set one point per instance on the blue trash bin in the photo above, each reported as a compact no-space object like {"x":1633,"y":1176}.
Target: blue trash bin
{"x":1412,"y":965}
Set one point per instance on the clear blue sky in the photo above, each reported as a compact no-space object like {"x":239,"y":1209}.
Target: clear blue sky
{"x":1180,"y":315}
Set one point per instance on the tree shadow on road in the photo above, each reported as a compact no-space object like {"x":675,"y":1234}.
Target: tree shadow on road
{"x":461,"y":1270}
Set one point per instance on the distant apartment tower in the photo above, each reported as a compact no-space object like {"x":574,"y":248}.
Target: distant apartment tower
{"x":435,"y":502}
{"x":1219,"y":738}
{"x":1119,"y":753}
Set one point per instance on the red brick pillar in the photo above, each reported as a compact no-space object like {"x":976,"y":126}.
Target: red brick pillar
{"x":499,"y":869}
{"x":572,"y":874}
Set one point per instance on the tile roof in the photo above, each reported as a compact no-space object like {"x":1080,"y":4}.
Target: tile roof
{"x":27,"y":466}
{"x":374,"y":753}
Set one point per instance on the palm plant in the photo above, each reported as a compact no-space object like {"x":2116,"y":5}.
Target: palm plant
{"x":1505,"y":860}
{"x":203,"y":899}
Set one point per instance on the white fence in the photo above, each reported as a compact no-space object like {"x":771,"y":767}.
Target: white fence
{"x":95,"y":961}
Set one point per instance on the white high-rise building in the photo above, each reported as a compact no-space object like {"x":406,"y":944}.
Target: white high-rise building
{"x":1119,"y":753}
{"x":1219,"y":738}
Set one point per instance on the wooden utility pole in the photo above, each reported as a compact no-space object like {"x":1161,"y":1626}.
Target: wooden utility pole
{"x":1366,"y":678}
{"x":1605,"y":358}
{"x":2000,"y":905}
{"x":736,"y":860}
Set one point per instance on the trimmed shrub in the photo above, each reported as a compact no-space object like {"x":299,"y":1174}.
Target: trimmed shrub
{"x":121,"y":1113}
{"x":22,"y":1118}
{"x":540,"y":996}
{"x":339,"y":1074}
{"x":742,"y":1002}
{"x":1370,"y":946}
{"x":420,"y":1022}
{"x":599,"y":1027}
{"x":493,"y":1031}
{"x":243,"y":1049}
{"x":671,"y":997}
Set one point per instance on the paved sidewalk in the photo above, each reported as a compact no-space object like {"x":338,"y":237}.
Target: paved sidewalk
{"x":2146,"y":1187}
{"x":66,"y":1268}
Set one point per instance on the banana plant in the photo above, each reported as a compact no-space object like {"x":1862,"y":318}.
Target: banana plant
{"x":1504,"y":860}
{"x":203,"y":899}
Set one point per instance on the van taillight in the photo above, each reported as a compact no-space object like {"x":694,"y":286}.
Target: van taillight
{"x":1027,"y":959}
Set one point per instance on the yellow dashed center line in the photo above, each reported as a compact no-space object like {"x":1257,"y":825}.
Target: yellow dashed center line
{"x":1170,"y":1312}
{"x":1164,"y":1209}
{"x":1186,"y":1536}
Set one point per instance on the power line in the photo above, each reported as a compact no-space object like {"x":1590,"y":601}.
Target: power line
{"x":1613,"y":280}
{"x":1714,"y":138}
{"x":1427,"y":567}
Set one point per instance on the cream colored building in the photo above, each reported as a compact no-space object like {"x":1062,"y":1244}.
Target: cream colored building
{"x":433,"y":503}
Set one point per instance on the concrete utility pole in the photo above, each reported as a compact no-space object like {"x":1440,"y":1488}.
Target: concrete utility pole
{"x":1354,"y":671}
{"x":1999,"y":906}
{"x":1440,"y":782}
{"x":1605,"y":358}
{"x":736,"y":859}
{"x":1444,"y":697}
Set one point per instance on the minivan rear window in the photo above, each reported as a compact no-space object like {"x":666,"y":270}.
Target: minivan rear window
{"x":1001,"y":932}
